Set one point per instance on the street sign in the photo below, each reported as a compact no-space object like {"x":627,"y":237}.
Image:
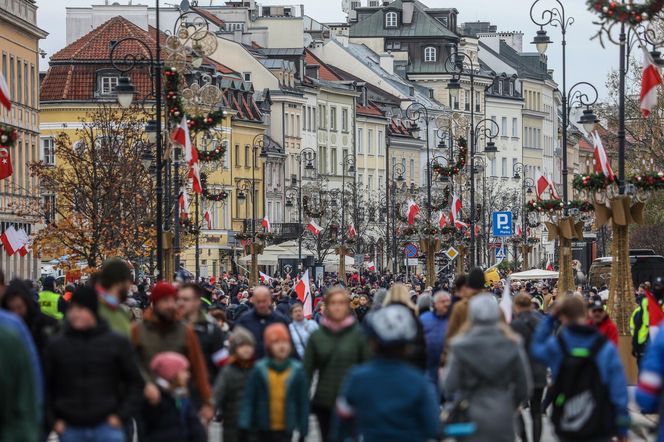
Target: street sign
{"x":411,"y":251}
{"x":452,"y":253}
{"x":502,"y":224}
{"x":412,"y":262}
{"x":501,"y":253}
{"x":358,"y":259}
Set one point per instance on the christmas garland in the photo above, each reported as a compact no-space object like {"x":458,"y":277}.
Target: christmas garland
{"x":625,"y":12}
{"x":206,"y":191}
{"x":554,"y":205}
{"x":196,"y":123}
{"x":8,"y":136}
{"x":455,"y":168}
{"x":648,"y":181}
{"x":592,"y":182}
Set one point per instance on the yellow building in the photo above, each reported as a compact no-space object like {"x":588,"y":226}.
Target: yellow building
{"x":19,"y":194}
{"x":81,"y":77}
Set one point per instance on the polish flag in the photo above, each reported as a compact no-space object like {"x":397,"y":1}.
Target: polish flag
{"x":602,"y":164}
{"x":455,"y":213}
{"x":184,"y":204}
{"x":11,"y":240}
{"x":519,"y":231}
{"x":208,"y":219}
{"x":442,"y":220}
{"x":352,"y":233}
{"x":413,"y":210}
{"x":24,"y":241}
{"x":181,"y":136}
{"x":549,"y":266}
{"x":221,"y":357}
{"x":651,"y":79}
{"x":303,"y":290}
{"x":265,"y":278}
{"x":195,"y":172}
{"x":371,"y":266}
{"x":542,"y":184}
{"x":655,"y":313}
{"x":6,"y":169}
{"x":314,"y":228}
{"x":5,"y":98}
{"x":266,"y":224}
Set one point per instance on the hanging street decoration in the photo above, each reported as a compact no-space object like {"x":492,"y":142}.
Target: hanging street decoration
{"x":556,"y":205}
{"x":648,"y":181}
{"x":592,"y":182}
{"x":457,"y":167}
{"x":8,"y":136}
{"x":626,"y":12}
{"x":209,"y":195}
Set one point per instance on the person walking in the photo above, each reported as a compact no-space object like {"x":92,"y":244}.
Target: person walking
{"x":640,"y":321}
{"x":93,"y":384}
{"x":590,"y":389}
{"x":434,"y":325}
{"x":488,"y":367}
{"x":473,"y":286}
{"x":599,"y":318}
{"x":524,"y":323}
{"x":260,"y":317}
{"x":113,"y":283}
{"x":649,"y":391}
{"x":276,"y":397}
{"x":300,"y":328}
{"x":210,"y":336}
{"x":399,"y":295}
{"x":161,"y":331}
{"x":230,"y":383}
{"x":331,"y":351}
{"x":50,"y":302}
{"x":371,"y":402}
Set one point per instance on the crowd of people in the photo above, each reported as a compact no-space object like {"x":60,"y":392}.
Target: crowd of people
{"x":379,"y":359}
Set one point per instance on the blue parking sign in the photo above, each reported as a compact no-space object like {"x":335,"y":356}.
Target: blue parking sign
{"x":502,"y":224}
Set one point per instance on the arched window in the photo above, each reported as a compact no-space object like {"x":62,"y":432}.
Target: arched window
{"x":391,"y":20}
{"x":430,"y":54}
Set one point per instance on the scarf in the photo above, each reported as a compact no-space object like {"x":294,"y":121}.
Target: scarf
{"x":335,"y":326}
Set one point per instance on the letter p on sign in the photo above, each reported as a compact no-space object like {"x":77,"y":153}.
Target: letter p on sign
{"x":502,"y":223}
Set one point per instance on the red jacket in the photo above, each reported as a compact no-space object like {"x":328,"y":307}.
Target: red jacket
{"x":608,"y":328}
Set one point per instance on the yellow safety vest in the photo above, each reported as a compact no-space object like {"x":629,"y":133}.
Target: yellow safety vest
{"x":48,"y":304}
{"x":645,"y":322}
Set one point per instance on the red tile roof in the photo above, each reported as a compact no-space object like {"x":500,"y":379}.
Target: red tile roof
{"x":585,"y":145}
{"x":324,"y":73}
{"x":400,"y":129}
{"x":209,"y":16}
{"x":370,"y":110}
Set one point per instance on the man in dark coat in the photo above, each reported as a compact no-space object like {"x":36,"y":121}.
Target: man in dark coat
{"x":93,"y":385}
{"x":257,"y":319}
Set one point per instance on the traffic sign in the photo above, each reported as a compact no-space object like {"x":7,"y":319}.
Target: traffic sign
{"x":411,"y":251}
{"x":411,"y":262}
{"x":452,"y":253}
{"x":501,"y":253}
{"x":502,"y":223}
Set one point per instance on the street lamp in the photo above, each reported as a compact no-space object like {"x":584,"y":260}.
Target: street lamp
{"x":308,"y":156}
{"x":527,"y":184}
{"x":347,"y":166}
{"x":482,"y":161}
{"x":398,"y":171}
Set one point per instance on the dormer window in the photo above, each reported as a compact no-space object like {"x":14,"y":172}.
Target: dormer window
{"x":107,"y":84}
{"x":430,"y":54}
{"x":391,"y":19}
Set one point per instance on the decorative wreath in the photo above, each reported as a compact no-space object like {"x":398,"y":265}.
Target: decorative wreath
{"x":626,"y":12}
{"x":648,"y":181}
{"x":8,"y":136}
{"x":206,"y":191}
{"x":592,"y":182}
{"x":455,"y":168}
{"x":554,"y":205}
{"x":196,"y":123}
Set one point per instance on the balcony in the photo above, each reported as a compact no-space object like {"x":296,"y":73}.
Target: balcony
{"x":281,"y":231}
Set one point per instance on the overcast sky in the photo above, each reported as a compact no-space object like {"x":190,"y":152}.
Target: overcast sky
{"x":586,"y":60}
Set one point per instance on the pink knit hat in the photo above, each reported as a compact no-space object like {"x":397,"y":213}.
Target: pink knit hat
{"x":168,"y":364}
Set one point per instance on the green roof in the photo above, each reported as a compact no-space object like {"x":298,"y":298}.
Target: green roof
{"x":423,"y":25}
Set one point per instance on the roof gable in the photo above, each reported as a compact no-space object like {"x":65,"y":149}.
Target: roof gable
{"x":324,"y":73}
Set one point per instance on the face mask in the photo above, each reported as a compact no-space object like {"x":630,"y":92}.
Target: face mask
{"x":110,"y":300}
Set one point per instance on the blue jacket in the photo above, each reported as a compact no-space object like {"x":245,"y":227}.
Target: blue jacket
{"x":545,"y":349}
{"x":649,"y":391}
{"x":389,"y":401}
{"x":256,"y":325}
{"x":435,"y":329}
{"x":255,"y":407}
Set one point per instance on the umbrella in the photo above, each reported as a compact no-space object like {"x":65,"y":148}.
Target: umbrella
{"x":534,"y":274}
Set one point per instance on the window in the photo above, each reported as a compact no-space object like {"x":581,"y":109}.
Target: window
{"x":454,"y":102}
{"x":48,"y":201}
{"x":515,"y":127}
{"x":19,"y":84}
{"x":369,"y":141}
{"x":107,"y":85}
{"x":503,"y":126}
{"x":511,"y":88}
{"x":500,"y":87}
{"x":344,"y":120}
{"x":48,"y":151}
{"x":393,"y":45}
{"x":478,"y":101}
{"x":381,"y":143}
{"x":313,"y":118}
{"x":369,"y":182}
{"x":466,"y":96}
{"x":493,"y":167}
{"x":247,"y":76}
{"x":304,"y":117}
{"x":236,"y":154}
{"x":360,"y":179}
{"x":333,"y":159}
{"x":504,"y":167}
{"x":412,"y":170}
{"x":333,"y":118}
{"x":246,"y":156}
{"x":33,"y":91}
{"x":360,"y":140}
{"x":322,"y":123}
{"x":12,"y":77}
{"x":430,"y":54}
{"x":391,"y":20}
{"x":297,"y":126}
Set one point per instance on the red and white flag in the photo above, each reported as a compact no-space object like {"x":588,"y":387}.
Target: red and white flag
{"x":181,"y":136}
{"x":24,"y":241}
{"x":602,"y":164}
{"x":266,"y":224}
{"x":184,"y":204}
{"x":265,"y":278}
{"x":352,"y":233}
{"x":195,"y":173}
{"x":549,"y":266}
{"x":543,"y":184}
{"x":656,"y":316}
{"x":303,"y":290}
{"x":207,"y":216}
{"x":519,"y":231}
{"x":314,"y":228}
{"x":455,"y":213}
{"x":5,"y":98}
{"x":371,"y":266}
{"x":649,"y":82}
{"x":11,"y":240}
{"x":413,"y":210}
{"x":6,"y":169}
{"x":442,"y":220}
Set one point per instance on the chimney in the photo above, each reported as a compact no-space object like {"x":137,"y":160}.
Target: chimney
{"x":408,"y":11}
{"x":387,"y":62}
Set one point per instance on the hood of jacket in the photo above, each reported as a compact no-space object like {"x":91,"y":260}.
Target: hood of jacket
{"x":486,"y":350}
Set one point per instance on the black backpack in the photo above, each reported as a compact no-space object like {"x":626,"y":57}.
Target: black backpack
{"x":582,"y":407}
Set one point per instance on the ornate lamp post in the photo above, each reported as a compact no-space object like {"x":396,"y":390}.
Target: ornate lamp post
{"x":527,"y":184}
{"x":308,"y":156}
{"x":347,"y":166}
{"x":398,"y":171}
